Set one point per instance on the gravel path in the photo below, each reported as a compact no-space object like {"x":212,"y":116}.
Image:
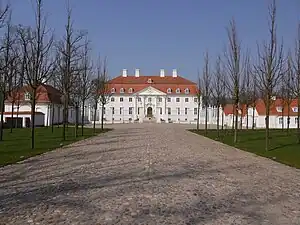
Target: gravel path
{"x":149,"y":174}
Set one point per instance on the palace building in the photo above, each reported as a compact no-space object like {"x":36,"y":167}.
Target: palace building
{"x":161,"y":98}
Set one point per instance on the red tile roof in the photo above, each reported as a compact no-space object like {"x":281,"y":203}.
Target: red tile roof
{"x":278,"y":103}
{"x":160,"y":83}
{"x":45,"y":94}
{"x":229,"y":110}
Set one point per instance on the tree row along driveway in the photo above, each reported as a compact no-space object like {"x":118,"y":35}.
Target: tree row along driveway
{"x":149,"y":174}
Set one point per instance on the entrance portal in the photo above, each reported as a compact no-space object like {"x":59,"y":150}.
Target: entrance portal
{"x":149,"y":112}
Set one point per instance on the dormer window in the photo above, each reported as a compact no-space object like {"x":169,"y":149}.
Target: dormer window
{"x":178,"y":90}
{"x":279,"y":109}
{"x":187,"y":91}
{"x":113,"y":90}
{"x":150,"y":81}
{"x":27,"y":96}
{"x":122,"y":90}
{"x":130,"y":90}
{"x":295,"y":109}
{"x":169,"y":90}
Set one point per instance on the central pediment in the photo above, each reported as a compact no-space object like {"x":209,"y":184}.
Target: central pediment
{"x":150,"y":91}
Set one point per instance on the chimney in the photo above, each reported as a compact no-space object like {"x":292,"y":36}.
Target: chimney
{"x":174,"y":73}
{"x":137,"y":73}
{"x":124,"y":73}
{"x":162,"y":73}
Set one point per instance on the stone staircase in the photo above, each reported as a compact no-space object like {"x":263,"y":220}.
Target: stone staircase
{"x":149,"y":120}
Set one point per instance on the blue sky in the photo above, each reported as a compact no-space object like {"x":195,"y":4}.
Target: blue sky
{"x":155,"y":34}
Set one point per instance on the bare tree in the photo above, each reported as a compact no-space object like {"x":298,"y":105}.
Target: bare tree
{"x":67,"y":59}
{"x":198,"y":94}
{"x":100,"y":91}
{"x":206,"y":88}
{"x":217,"y":90}
{"x":270,"y":67}
{"x":36,"y":47}
{"x":85,"y":81}
{"x":296,"y":80}
{"x":7,"y":58}
{"x":289,"y":95}
{"x":233,"y":57}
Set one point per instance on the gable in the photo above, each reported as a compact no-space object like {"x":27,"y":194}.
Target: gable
{"x":150,"y":91}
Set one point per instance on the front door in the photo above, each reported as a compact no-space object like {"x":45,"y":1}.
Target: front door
{"x":149,"y":112}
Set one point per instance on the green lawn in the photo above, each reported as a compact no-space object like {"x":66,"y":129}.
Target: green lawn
{"x":16,"y":146}
{"x":283,"y":146}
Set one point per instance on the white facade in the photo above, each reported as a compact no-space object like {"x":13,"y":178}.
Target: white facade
{"x":150,"y":104}
{"x":44,"y":108}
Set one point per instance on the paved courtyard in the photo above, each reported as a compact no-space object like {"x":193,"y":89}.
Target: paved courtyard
{"x":149,"y":174}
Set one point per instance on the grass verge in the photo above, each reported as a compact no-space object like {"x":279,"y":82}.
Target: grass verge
{"x":283,"y":146}
{"x":16,"y":146}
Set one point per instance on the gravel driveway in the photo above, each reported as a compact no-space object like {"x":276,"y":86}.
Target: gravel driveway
{"x":149,"y":174}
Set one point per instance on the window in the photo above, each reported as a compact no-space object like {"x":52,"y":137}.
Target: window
{"x":159,"y":99}
{"x":113,"y":90}
{"x":27,"y":96}
{"x":288,"y":120}
{"x":187,"y":91}
{"x":113,"y":110}
{"x":130,"y":110}
{"x":186,"y":111}
{"x":121,"y":111}
{"x":160,"y":111}
{"x":122,"y":90}
{"x":169,"y":99}
{"x":177,"y":99}
{"x":138,"y":112}
{"x":195,"y":111}
{"x":169,"y":111}
{"x":279,"y":109}
{"x":186,"y":99}
{"x":169,"y":90}
{"x":139,"y":99}
{"x":104,"y":111}
{"x":295,"y":109}
{"x":130,"y":90}
{"x":121,"y":99}
{"x":130,"y":99}
{"x":149,"y":99}
{"x":296,"y":120}
{"x":112,"y":99}
{"x":280,"y":120}
{"x":178,"y":111}
{"x":150,"y":81}
{"x":195,"y":100}
{"x":178,"y":90}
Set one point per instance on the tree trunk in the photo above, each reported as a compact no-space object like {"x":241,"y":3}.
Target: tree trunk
{"x":282,"y":118}
{"x":2,"y":116}
{"x":222,"y":119}
{"x":76,"y":120}
{"x":12,"y":117}
{"x":288,"y":120}
{"x":267,"y":125}
{"x":102,"y":117}
{"x":33,"y":119}
{"x":253,"y":115}
{"x":65,"y":114}
{"x":82,"y":117}
{"x":247,"y":117}
{"x":58,"y":117}
{"x":198,"y":115}
{"x":236,"y":123}
{"x":52,"y":118}
{"x":206,"y":118}
{"x":218,"y":121}
{"x":94,"y":125}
